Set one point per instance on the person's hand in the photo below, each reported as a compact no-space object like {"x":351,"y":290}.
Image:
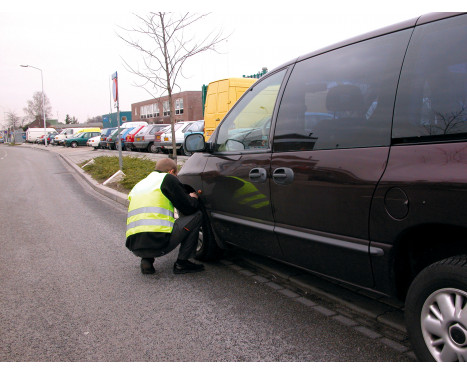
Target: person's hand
{"x":193,"y":194}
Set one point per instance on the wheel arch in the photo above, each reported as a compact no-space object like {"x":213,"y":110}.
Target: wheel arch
{"x":418,"y":247}
{"x":217,"y":241}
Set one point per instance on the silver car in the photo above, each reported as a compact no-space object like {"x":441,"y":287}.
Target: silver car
{"x":144,"y":139}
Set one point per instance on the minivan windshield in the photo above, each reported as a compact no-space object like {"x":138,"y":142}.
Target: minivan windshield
{"x":247,"y":125}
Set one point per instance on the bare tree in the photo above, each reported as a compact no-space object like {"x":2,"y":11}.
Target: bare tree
{"x":448,"y":122}
{"x":162,"y":40}
{"x":13,"y":121}
{"x":34,"y":108}
{"x":71,"y":120}
{"x":95,"y":119}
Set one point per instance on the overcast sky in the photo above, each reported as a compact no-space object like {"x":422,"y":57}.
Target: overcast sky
{"x":76,"y":44}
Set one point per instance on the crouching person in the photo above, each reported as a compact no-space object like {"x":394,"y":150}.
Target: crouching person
{"x":152,"y":230}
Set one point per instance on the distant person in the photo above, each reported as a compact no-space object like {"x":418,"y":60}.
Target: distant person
{"x":152,"y":230}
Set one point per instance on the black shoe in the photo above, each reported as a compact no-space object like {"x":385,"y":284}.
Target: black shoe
{"x":185,"y":266}
{"x":147,"y":267}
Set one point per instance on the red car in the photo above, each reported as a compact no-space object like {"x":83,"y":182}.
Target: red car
{"x":130,"y":138}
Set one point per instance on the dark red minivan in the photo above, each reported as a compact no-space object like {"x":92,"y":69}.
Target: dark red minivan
{"x":351,"y":162}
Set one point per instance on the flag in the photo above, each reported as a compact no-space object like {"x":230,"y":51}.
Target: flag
{"x":115,"y":86}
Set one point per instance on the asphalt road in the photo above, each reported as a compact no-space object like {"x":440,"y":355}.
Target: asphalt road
{"x":71,"y":291}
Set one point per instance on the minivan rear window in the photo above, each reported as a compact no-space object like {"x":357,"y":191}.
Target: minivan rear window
{"x":432,"y":99}
{"x":343,"y":98}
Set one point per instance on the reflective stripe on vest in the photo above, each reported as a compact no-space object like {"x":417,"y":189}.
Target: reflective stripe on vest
{"x":149,"y":209}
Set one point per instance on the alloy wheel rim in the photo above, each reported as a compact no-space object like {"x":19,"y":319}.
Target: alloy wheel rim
{"x":199,"y":246}
{"x":444,"y":325}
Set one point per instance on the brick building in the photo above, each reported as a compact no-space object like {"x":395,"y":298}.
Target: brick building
{"x":187,"y":105}
{"x":39,"y":123}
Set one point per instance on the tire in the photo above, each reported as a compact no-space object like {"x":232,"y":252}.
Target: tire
{"x":207,"y":249}
{"x":153,"y":148}
{"x":74,"y":144}
{"x":436,"y":311}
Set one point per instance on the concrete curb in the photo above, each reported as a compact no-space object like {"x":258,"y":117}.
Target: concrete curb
{"x":121,"y":198}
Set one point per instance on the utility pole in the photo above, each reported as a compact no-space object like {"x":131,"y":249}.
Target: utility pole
{"x":43,"y":101}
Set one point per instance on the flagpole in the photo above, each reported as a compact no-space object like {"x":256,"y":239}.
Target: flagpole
{"x":116,"y":98}
{"x":119,"y":139}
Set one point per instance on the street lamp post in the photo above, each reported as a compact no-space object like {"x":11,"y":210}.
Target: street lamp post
{"x":43,"y":101}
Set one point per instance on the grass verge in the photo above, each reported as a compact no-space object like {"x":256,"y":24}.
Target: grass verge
{"x":134,"y":168}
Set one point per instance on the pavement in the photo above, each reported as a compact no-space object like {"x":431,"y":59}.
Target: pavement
{"x":376,"y":316}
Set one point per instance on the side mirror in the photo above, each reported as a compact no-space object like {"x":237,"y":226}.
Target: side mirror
{"x":194,"y":143}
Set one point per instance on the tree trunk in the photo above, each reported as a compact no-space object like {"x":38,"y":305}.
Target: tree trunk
{"x":169,"y":90}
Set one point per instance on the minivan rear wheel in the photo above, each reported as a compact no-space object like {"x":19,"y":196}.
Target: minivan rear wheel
{"x":436,"y":311}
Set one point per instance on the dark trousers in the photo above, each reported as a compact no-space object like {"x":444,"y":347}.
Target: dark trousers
{"x":186,"y":233}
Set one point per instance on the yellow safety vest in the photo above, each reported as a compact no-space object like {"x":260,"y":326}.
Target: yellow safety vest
{"x":149,"y":209}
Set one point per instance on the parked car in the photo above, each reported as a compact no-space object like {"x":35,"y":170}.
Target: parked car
{"x":144,"y":139}
{"x":180,"y":128}
{"x":71,"y":133}
{"x":104,"y":134}
{"x":157,"y":145}
{"x":80,"y":139}
{"x":130,"y":137}
{"x":33,"y":133}
{"x":195,"y":127}
{"x":123,"y":137}
{"x":112,"y":139}
{"x":39,"y":139}
{"x":374,"y":192}
{"x":50,"y":138}
{"x":94,"y":142}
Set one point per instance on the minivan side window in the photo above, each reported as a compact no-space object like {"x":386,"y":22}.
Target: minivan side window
{"x":432,"y":98}
{"x":247,"y":125}
{"x":343,"y":98}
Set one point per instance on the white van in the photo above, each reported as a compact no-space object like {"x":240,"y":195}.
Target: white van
{"x":133,"y":124}
{"x":33,"y":133}
{"x":70,"y":132}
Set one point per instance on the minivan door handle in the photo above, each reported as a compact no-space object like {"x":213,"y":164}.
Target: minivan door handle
{"x":258,"y":175}
{"x":283,"y":175}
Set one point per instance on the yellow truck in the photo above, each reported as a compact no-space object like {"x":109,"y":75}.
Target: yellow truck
{"x":220,"y":97}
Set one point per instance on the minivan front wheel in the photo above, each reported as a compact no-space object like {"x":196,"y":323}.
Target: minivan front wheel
{"x":207,"y":249}
{"x":436,"y":311}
